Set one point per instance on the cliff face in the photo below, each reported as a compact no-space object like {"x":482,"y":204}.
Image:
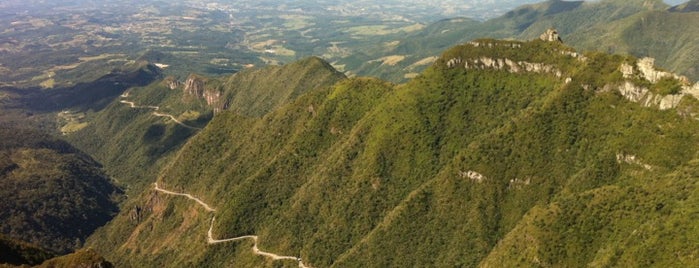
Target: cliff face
{"x":504,"y":64}
{"x":195,"y":86}
{"x":645,"y":70}
{"x":172,"y":83}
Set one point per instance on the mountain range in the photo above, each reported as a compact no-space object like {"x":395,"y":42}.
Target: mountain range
{"x":502,"y":153}
{"x":640,"y":27}
{"x":483,"y":144}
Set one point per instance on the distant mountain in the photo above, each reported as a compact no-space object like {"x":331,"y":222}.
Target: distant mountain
{"x":691,"y":6}
{"x":502,"y":153}
{"x":54,"y":195}
{"x":639,"y":28}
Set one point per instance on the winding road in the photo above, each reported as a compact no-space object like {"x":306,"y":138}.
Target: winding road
{"x":206,"y":206}
{"x":211,"y":240}
{"x":155,"y":112}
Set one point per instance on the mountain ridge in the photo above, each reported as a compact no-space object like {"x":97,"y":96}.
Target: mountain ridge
{"x":456,"y":158}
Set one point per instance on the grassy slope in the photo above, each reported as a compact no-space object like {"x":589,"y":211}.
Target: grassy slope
{"x":368,"y":174}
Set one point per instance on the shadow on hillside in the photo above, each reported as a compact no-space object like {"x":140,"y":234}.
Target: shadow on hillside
{"x":95,"y":95}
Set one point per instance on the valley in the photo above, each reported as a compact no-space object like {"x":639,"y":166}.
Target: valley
{"x":155,"y":111}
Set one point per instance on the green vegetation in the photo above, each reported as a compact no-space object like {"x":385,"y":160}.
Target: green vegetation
{"x":468,"y":164}
{"x":16,"y":252}
{"x":55,"y":196}
{"x":81,"y":258}
{"x":256,"y":92}
{"x":458,"y":167}
{"x":667,"y":86}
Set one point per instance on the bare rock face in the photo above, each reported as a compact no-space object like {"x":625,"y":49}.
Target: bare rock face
{"x":504,"y":64}
{"x":172,"y":83}
{"x":194,"y":86}
{"x":551,"y":35}
{"x":214,"y":98}
{"x":645,"y":69}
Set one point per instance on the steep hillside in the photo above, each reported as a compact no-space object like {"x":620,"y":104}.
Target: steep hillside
{"x":54,"y":195}
{"x":641,"y":28}
{"x":585,"y":158}
{"x":136,"y":135}
{"x":256,"y":92}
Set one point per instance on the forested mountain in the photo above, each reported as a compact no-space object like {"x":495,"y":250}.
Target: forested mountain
{"x":468,"y":147}
{"x":502,"y":153}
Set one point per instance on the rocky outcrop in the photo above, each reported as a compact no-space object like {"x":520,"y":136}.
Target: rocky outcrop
{"x":472,"y":175}
{"x":518,"y":183}
{"x":645,"y":70}
{"x":551,"y":35}
{"x":494,"y":44}
{"x":194,"y":86}
{"x":646,"y":98}
{"x":504,"y":64}
{"x":136,"y":214}
{"x":172,"y":83}
{"x":631,"y":160}
{"x":214,"y":99}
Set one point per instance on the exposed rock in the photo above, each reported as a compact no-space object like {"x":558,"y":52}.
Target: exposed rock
{"x":518,"y":183}
{"x":693,"y":90}
{"x":626,"y":70}
{"x":194,"y":86}
{"x":632,"y":160}
{"x":504,"y":64}
{"x":172,"y":83}
{"x":474,"y":176}
{"x":643,"y":95}
{"x":646,"y":98}
{"x":551,"y":35}
{"x":647,"y":68}
{"x":213,"y":98}
{"x":135,"y":214}
{"x":493,"y":44}
{"x":454,"y":62}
